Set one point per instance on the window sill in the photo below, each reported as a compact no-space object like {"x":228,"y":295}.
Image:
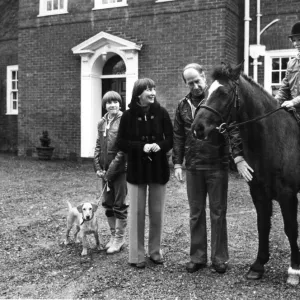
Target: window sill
{"x":110,"y":6}
{"x":12,"y":113}
{"x":52,"y":13}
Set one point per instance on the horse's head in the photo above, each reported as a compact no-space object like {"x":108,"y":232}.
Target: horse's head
{"x":220,"y":100}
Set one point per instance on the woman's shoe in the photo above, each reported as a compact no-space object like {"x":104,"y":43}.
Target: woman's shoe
{"x":140,"y":265}
{"x":159,"y":261}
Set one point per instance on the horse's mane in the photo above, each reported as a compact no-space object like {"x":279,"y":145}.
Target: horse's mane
{"x":261,"y":88}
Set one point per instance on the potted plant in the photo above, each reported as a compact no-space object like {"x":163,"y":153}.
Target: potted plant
{"x":45,"y":151}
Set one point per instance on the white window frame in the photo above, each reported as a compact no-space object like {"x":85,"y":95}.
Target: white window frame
{"x":158,"y":1}
{"x":98,"y":4}
{"x":59,"y":11}
{"x":269,"y":55}
{"x":9,"y":90}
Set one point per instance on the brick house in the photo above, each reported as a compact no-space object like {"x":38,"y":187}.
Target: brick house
{"x":58,"y":57}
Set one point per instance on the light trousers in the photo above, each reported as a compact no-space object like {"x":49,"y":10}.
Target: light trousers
{"x":137,"y":212}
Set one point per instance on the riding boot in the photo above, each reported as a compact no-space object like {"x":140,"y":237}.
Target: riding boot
{"x":119,"y":237}
{"x":112,"y":227}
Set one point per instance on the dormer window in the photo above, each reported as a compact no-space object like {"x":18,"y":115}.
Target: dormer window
{"x":53,"y":7}
{"x":102,"y":4}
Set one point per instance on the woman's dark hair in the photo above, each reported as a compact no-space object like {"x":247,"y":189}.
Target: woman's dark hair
{"x":141,"y":85}
{"x":111,"y":96}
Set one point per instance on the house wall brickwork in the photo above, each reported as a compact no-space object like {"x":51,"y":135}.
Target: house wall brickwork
{"x":8,"y":56}
{"x":173,"y":34}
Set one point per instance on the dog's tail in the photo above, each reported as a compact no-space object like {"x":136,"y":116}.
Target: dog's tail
{"x":69,"y":205}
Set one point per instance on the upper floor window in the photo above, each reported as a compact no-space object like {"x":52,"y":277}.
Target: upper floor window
{"x":101,"y":4}
{"x":53,"y":7}
{"x":12,"y":94}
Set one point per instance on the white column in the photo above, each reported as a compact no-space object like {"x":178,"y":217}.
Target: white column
{"x":131,"y":72}
{"x":86,"y":108}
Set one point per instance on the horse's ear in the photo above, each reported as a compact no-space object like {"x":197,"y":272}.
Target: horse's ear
{"x":236,"y":72}
{"x":226,"y":69}
{"x":224,"y":65}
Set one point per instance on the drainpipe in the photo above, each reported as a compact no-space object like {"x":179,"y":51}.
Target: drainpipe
{"x":258,"y":49}
{"x":255,"y":59}
{"x":247,"y":20}
{"x":258,"y":15}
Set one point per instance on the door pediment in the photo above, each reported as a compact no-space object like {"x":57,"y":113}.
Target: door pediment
{"x":103,"y":39}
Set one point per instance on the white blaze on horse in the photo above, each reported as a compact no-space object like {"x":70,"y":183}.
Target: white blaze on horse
{"x":271,"y":143}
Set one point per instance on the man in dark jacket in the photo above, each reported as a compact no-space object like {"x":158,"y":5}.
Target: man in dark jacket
{"x":206,"y":173}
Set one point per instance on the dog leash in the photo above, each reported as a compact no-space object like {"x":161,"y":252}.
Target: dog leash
{"x":102,"y":193}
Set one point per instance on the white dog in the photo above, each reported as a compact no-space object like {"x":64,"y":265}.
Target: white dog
{"x":86,"y":222}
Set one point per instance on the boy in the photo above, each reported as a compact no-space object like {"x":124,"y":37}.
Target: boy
{"x":110,"y":165}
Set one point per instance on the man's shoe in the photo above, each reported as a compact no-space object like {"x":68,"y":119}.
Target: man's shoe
{"x":220,"y":268}
{"x":157,"y":261}
{"x":140,"y":265}
{"x":192,"y":267}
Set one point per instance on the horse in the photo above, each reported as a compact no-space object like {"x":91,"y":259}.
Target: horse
{"x":271,"y":146}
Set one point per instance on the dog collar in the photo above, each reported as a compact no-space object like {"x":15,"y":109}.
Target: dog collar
{"x":83,"y":220}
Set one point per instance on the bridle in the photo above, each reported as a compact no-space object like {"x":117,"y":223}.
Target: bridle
{"x":234,"y":104}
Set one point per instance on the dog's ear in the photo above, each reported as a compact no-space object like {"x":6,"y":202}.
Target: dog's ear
{"x":79,"y":208}
{"x":95,"y":206}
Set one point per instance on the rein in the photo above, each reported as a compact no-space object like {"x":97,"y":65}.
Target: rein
{"x":223,"y":127}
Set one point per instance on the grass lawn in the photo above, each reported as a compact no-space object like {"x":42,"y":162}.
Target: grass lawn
{"x":35,"y":264}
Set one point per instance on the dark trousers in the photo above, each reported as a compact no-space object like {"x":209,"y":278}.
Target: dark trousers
{"x":114,"y":200}
{"x":213,"y":183}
